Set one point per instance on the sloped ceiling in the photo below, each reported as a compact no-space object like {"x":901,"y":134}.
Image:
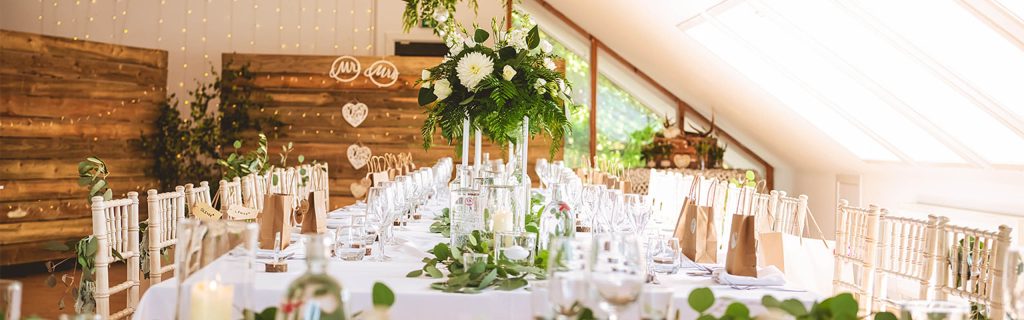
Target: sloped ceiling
{"x":645,"y":33}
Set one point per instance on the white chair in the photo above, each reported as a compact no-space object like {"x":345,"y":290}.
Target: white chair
{"x":856,"y":242}
{"x":200,"y":194}
{"x":906,"y":250}
{"x":254,"y":188}
{"x":115,"y":227}
{"x":229,"y":193}
{"x":969,"y":265}
{"x":165,"y":210}
{"x":790,"y":213}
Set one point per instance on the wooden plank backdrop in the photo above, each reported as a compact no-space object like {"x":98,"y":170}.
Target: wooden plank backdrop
{"x":62,"y":100}
{"x":301,"y":93}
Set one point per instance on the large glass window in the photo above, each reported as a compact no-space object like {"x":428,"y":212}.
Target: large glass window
{"x":577,"y":71}
{"x":622,"y":123}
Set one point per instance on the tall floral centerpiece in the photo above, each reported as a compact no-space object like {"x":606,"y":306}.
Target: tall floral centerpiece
{"x":497,"y":87}
{"x":509,"y":91}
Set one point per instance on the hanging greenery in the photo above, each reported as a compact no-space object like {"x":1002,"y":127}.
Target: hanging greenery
{"x":185,"y":149}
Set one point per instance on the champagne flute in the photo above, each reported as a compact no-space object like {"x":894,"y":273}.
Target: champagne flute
{"x":378,"y":205}
{"x":609,"y":209}
{"x":617,"y":271}
{"x":541,"y":167}
{"x":637,"y":211}
{"x":567,"y":279}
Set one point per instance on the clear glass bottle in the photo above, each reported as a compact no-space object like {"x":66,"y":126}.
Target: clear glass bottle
{"x":557,"y":219}
{"x":314,"y":294}
{"x":466,"y":215}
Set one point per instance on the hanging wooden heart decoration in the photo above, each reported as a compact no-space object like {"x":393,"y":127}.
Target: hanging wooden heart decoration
{"x":358,"y":155}
{"x":354,"y":113}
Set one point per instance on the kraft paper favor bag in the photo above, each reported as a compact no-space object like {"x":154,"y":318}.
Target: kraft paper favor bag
{"x":741,"y":259}
{"x":276,"y":217}
{"x":696,"y":226}
{"x":315,"y":220}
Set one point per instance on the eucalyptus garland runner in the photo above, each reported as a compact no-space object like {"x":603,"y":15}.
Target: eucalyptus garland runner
{"x":496,"y":87}
{"x":473,"y":278}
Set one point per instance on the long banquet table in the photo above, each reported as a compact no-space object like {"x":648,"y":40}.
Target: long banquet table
{"x":416,"y":300}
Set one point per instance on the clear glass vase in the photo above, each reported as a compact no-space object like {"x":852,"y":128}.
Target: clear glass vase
{"x":314,"y":294}
{"x":557,"y":219}
{"x":466,"y":215}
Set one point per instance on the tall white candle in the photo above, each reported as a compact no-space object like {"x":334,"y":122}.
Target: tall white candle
{"x":465,"y":142}
{"x":502,"y":221}
{"x":212,"y":300}
{"x":477,"y":149}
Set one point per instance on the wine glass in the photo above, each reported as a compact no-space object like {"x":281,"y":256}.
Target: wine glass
{"x":638,"y":210}
{"x":617,"y":271}
{"x":378,"y":205}
{"x":403,"y":195}
{"x":541,"y":167}
{"x":589,"y":200}
{"x":663,"y":254}
{"x":609,"y":208}
{"x":567,"y":278}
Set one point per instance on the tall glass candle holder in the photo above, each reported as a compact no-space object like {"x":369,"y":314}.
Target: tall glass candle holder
{"x":214,"y":267}
{"x":501,"y":210}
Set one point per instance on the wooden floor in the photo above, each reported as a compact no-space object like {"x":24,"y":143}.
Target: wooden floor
{"x":41,"y":300}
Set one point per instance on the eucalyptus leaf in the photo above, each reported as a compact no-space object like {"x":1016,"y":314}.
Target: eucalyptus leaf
{"x":433,"y":272}
{"x":793,"y":307}
{"x":512,"y":284}
{"x":97,"y":187}
{"x":382,"y":295}
{"x":701,"y":299}
{"x":488,"y":279}
{"x":770,"y":302}
{"x":737,"y":311}
{"x":108,"y":195}
{"x":885,"y":316}
{"x":478,"y":267}
{"x":414,"y":274}
{"x":441,"y":252}
{"x":84,"y":181}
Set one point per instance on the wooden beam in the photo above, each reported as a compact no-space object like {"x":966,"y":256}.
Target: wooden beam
{"x":593,"y":98}
{"x":683,"y":107}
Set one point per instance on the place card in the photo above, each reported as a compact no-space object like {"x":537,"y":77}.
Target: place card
{"x":205,"y":212}
{"x":242,"y":213}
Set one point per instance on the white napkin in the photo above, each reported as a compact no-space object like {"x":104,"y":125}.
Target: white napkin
{"x":766,"y":276}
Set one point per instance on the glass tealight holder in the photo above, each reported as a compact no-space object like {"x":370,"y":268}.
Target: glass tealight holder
{"x":655,"y":302}
{"x":471,"y":258}
{"x":663,"y":254}
{"x":935,"y":310}
{"x":350,"y":244}
{"x":515,"y":247}
{"x":501,"y":212}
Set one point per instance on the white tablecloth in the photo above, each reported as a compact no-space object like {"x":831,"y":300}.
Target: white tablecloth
{"x":415,"y":299}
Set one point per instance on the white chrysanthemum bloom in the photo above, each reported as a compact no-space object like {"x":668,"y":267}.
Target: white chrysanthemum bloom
{"x":508,"y":73}
{"x":442,"y":89}
{"x":545,"y":46}
{"x":550,"y":64}
{"x":473,"y":68}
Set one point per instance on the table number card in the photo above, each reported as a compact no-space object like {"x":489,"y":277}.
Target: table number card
{"x":205,"y":212}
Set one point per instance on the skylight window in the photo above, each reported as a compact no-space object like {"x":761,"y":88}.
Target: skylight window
{"x":928,"y":86}
{"x":790,"y":93}
{"x":1015,"y":7}
{"x":895,"y":72}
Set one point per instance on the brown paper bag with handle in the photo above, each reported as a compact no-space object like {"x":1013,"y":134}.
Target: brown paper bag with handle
{"x":315,"y":221}
{"x":741,"y":259}
{"x":696,"y":226}
{"x":276,"y":217}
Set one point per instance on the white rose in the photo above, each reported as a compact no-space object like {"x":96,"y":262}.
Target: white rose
{"x":539,"y":85}
{"x":425,"y":75}
{"x":545,"y":46}
{"x":550,"y":64}
{"x":508,"y":73}
{"x":442,"y":89}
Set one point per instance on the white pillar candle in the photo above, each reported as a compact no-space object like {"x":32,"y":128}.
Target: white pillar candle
{"x":477,"y":146}
{"x":502,"y":221}
{"x":465,"y":142}
{"x":212,"y":300}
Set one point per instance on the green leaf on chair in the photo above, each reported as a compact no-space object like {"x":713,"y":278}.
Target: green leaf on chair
{"x":382,"y":295}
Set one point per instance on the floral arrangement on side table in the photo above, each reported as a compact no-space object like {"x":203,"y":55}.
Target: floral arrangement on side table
{"x":496,"y":87}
